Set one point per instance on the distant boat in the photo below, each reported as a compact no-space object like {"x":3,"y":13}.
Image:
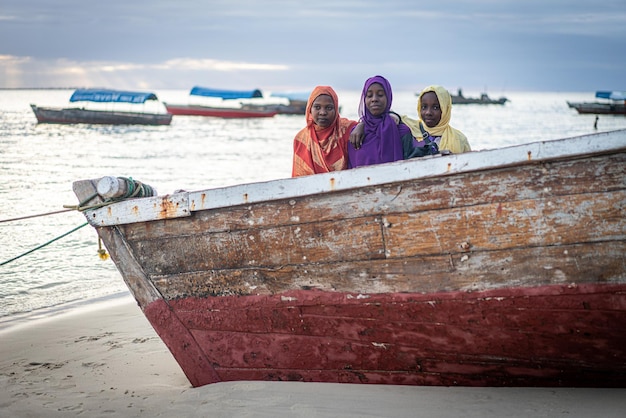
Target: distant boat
{"x":109,"y":116}
{"x":219,"y":112}
{"x":225,"y":104}
{"x":502,"y":267}
{"x":614,"y":104}
{"x":225,"y":94}
{"x":296,"y":103}
{"x":483,"y":99}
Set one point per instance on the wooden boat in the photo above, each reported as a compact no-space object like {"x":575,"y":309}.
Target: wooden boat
{"x":219,"y":110}
{"x":503,"y":267}
{"x":483,"y":99}
{"x":615,"y":104}
{"x":292,"y":108}
{"x":111,"y":116}
{"x":296,"y":103}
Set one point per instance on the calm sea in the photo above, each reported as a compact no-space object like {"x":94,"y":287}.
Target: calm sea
{"x":38,"y":164}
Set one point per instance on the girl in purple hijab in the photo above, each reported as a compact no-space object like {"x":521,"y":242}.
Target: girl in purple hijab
{"x":383,"y":138}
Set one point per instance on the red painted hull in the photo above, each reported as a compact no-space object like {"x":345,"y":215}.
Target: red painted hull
{"x":219,"y":112}
{"x":543,"y":336}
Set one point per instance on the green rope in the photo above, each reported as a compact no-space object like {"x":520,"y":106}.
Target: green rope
{"x":43,"y":245}
{"x":135,"y":188}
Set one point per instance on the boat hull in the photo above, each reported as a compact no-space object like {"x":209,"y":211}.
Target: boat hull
{"x":293,"y":108}
{"x":219,"y":112}
{"x":529,"y":336}
{"x":504,"y":271}
{"x":482,"y":100}
{"x":99,"y":117}
{"x":599,"y":108}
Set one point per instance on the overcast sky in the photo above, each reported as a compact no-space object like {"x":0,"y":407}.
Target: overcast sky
{"x":493,"y":45}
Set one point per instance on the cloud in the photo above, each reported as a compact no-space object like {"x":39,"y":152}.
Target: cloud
{"x":216,"y":65}
{"x":532,"y":44}
{"x":65,"y":72}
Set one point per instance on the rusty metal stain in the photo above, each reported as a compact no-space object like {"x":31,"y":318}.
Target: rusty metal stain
{"x":530,"y":155}
{"x":332,"y":183}
{"x":245,"y":197}
{"x":449,"y":167}
{"x":167,"y":206}
{"x":135,"y":210}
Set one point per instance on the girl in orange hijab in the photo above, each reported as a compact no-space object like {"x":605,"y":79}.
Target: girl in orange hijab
{"x":322,"y":146}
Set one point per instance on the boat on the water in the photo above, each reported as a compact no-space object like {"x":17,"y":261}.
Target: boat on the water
{"x":219,"y":111}
{"x":295,"y":105}
{"x":111,"y":114}
{"x":224,"y":104}
{"x":502,"y":267}
{"x":614,"y":104}
{"x":483,"y":99}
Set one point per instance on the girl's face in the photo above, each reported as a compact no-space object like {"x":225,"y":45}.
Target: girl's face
{"x":323,"y":110}
{"x":376,"y":99}
{"x":430,"y":112}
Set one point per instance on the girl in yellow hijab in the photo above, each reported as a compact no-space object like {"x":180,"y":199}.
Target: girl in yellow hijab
{"x":434,"y":108}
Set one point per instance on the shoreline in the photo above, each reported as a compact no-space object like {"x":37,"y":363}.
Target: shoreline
{"x":105,"y":359}
{"x":10,"y":321}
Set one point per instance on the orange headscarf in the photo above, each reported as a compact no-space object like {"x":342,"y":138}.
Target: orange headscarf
{"x":317,"y":150}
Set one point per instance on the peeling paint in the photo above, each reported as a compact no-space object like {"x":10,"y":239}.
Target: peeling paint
{"x":381,"y":345}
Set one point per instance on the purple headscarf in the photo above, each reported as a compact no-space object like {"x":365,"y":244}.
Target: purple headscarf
{"x":382,"y":141}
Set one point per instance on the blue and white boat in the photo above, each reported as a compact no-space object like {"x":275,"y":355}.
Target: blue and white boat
{"x":614,"y":103}
{"x":113,"y":107}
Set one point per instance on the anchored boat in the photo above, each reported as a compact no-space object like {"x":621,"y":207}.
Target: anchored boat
{"x":614,"y":104}
{"x":112,"y":114}
{"x":224,"y":104}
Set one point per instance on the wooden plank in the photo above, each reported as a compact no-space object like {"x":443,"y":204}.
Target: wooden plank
{"x":526,"y":223}
{"x":270,"y":247}
{"x":529,"y":266}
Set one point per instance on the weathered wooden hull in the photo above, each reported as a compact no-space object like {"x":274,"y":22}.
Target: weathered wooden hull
{"x":220,"y":112}
{"x":494,"y":268}
{"x":100,"y":117}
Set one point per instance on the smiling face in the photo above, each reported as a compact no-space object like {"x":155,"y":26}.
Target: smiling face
{"x":430,"y":111}
{"x":376,"y":99}
{"x":323,"y":111}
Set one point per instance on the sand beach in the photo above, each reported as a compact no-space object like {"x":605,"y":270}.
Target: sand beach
{"x":104,"y":359}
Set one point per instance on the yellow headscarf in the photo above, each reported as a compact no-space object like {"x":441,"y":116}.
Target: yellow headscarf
{"x":451,"y":139}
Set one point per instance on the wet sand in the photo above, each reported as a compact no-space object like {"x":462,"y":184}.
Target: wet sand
{"x":106,"y":360}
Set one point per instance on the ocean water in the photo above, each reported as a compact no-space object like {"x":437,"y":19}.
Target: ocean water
{"x":39,"y":162}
